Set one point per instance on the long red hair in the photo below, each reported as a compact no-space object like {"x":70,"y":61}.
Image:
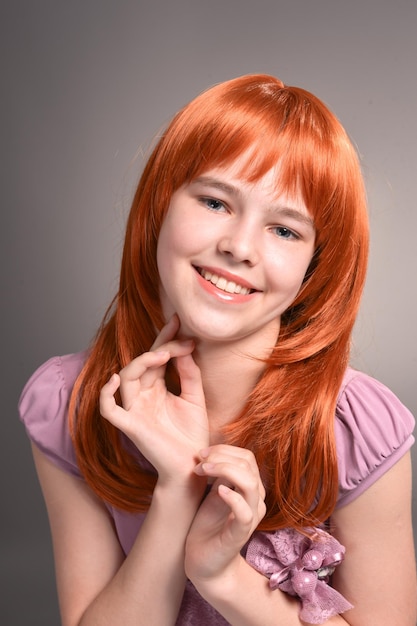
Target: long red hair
{"x":288,"y":421}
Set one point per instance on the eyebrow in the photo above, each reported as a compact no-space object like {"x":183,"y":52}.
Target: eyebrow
{"x":286,"y":211}
{"x":217,"y":184}
{"x":294,"y":214}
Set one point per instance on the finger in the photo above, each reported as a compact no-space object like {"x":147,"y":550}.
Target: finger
{"x":175,"y":349}
{"x":115,"y":414}
{"x":221,"y":450}
{"x":148,"y":368}
{"x":237,"y":474}
{"x":256,"y":505}
{"x":190,"y":379}
{"x":133,"y":376}
{"x":108,"y":407}
{"x":243,"y":456}
{"x":167,"y":333}
{"x":244,"y":518}
{"x":138,"y":366}
{"x":109,"y":389}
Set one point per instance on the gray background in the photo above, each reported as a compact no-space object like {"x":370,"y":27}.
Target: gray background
{"x":85,"y":87}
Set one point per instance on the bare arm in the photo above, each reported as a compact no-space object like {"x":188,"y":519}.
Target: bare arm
{"x":377,"y":576}
{"x":96,"y":584}
{"x":379,"y":573}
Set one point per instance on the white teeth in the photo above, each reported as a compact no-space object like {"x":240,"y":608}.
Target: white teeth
{"x":230,"y":287}
{"x":221,"y":284}
{"x":225,"y":285}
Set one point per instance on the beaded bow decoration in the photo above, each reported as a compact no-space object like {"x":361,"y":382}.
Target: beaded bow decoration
{"x":301,"y":565}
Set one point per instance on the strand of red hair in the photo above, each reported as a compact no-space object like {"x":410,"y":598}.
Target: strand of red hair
{"x":288,"y":421}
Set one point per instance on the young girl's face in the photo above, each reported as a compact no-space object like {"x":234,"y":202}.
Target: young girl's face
{"x":232,"y":256}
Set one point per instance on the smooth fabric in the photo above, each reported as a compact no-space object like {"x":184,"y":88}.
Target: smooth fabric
{"x":373,"y":431}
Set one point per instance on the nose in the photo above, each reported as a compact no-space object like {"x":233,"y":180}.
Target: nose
{"x":239,"y":242}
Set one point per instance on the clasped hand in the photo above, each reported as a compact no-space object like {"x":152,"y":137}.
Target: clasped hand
{"x":172,"y":432}
{"x":228,"y":515}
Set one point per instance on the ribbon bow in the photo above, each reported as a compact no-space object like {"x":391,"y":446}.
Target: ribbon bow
{"x":301,"y":565}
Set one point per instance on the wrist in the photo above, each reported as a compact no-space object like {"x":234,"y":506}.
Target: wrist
{"x":180,"y":490}
{"x":217,"y":585}
{"x":242,"y":595}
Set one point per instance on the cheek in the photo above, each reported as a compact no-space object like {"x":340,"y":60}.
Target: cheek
{"x":163,"y":255}
{"x":287,"y":271}
{"x":165,"y":278}
{"x":170,"y":253}
{"x":301,"y":271}
{"x":166,"y":246}
{"x":176,"y":235}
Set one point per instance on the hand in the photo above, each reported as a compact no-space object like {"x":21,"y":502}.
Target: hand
{"x":169,"y":430}
{"x":228,"y":516}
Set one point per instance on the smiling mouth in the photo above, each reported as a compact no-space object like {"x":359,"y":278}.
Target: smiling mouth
{"x":223,"y":284}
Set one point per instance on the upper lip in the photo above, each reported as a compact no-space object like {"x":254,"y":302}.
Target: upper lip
{"x":227,"y":275}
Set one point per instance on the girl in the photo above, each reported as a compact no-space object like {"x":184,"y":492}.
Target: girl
{"x":212,"y":459}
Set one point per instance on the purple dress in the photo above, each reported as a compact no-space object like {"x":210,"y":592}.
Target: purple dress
{"x":373,"y":431}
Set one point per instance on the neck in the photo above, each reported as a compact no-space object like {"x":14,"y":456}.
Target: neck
{"x":229,"y":375}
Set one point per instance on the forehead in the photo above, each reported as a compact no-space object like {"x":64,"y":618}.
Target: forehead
{"x":238,"y":179}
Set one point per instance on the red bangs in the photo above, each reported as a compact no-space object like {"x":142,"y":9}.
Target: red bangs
{"x":271,"y":123}
{"x":288,"y":419}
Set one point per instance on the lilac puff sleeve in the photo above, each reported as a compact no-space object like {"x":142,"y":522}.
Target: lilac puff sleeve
{"x":373,"y":431}
{"x":43,"y":408}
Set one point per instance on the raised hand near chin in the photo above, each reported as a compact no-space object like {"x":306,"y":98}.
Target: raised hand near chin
{"x":169,"y":430}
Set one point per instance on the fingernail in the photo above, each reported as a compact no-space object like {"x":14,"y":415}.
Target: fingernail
{"x":199,"y":470}
{"x":202,"y":468}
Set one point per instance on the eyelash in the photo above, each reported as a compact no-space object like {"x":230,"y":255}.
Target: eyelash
{"x":289,"y":234}
{"x":207,"y":200}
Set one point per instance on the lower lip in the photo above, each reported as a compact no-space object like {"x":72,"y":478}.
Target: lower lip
{"x":223,"y":296}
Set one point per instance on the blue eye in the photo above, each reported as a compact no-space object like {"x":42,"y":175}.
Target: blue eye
{"x":285,"y":233}
{"x":213,"y":204}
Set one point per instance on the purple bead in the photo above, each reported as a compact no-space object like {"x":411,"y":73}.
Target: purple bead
{"x":304,"y":582}
{"x":312,"y":559}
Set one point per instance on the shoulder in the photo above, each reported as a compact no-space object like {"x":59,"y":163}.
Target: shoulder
{"x":373,"y":431}
{"x":43,"y":408}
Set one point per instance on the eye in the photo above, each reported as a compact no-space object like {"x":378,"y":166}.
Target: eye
{"x":213,"y":204}
{"x":285,"y":233}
